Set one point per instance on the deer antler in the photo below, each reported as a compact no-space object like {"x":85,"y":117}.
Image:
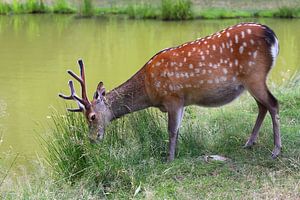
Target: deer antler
{"x":82,"y":102}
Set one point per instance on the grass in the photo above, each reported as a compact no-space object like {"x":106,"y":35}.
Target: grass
{"x":86,"y":8}
{"x":165,"y":10}
{"x":142,"y":11}
{"x":130,"y":162}
{"x":176,"y":9}
{"x":62,"y":7}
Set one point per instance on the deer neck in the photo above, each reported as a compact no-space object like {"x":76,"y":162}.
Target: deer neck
{"x":129,"y":97}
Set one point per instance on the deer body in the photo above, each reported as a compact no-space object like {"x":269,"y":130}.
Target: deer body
{"x":211,"y":71}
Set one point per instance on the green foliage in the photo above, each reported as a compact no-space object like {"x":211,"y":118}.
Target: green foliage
{"x":214,"y":13}
{"x":176,"y":9}
{"x":86,"y":8}
{"x":286,"y":12}
{"x":66,"y":149}
{"x":17,"y":7}
{"x":35,"y":6}
{"x":142,"y":11}
{"x":5,"y":8}
{"x":62,"y":7}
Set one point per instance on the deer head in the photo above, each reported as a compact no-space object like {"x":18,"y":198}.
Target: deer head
{"x":97,"y":111}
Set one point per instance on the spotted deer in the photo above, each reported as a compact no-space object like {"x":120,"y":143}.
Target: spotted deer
{"x":210,"y":71}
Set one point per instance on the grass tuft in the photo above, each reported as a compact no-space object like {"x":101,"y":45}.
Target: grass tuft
{"x":86,"y":8}
{"x":142,"y":11}
{"x":286,"y":12}
{"x":35,"y":6}
{"x":62,"y":7}
{"x":215,"y":13}
{"x":176,"y":9}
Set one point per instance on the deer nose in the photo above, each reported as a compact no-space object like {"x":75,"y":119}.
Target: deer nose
{"x":99,"y":136}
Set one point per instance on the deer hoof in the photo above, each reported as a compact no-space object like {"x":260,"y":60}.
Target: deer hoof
{"x":249,"y":144}
{"x":276,"y":152}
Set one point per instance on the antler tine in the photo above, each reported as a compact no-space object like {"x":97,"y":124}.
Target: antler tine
{"x":81,"y":80}
{"x":73,"y":96}
{"x":83,"y":86}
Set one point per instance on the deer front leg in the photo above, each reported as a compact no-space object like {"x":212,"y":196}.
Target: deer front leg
{"x":175,"y":116}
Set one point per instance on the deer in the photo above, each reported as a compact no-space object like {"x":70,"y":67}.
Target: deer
{"x":210,"y":72}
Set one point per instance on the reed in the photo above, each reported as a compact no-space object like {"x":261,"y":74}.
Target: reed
{"x":176,"y":9}
{"x":62,"y":7}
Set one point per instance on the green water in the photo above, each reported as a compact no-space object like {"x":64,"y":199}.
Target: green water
{"x":37,"y":50}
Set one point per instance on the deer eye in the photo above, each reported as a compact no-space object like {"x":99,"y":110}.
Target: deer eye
{"x":93,"y":117}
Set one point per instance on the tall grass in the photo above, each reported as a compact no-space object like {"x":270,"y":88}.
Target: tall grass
{"x":176,"y":9}
{"x":62,"y":7}
{"x":142,"y":11}
{"x":286,"y":12}
{"x":5,"y":8}
{"x":35,"y":6}
{"x":214,"y":13}
{"x":86,"y":8}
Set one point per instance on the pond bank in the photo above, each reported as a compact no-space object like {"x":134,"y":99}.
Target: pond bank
{"x":161,"y":10}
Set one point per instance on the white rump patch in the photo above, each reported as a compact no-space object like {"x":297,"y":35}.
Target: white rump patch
{"x":274,"y":51}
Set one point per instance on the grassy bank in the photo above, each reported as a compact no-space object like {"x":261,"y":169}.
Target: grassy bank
{"x":165,"y":10}
{"x":130,"y":162}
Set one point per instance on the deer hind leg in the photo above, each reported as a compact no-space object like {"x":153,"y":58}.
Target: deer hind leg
{"x":175,"y":115}
{"x":262,"y":111}
{"x":262,"y":95}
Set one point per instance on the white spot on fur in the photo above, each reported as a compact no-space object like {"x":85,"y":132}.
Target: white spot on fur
{"x":157,"y":64}
{"x":241,"y":49}
{"x":243,"y":34}
{"x":157,"y":84}
{"x":254,"y":54}
{"x":223,"y":45}
{"x":191,"y":66}
{"x":223,"y":78}
{"x":217,"y":80}
{"x":227,"y":34}
{"x":236,"y":62}
{"x":236,"y":37}
{"x":249,"y":31}
{"x":225,"y":71}
{"x":252,"y":41}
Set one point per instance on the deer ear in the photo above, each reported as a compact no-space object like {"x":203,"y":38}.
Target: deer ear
{"x":100,"y":93}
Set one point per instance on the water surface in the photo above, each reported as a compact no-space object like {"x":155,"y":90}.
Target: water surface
{"x":36,"y":51}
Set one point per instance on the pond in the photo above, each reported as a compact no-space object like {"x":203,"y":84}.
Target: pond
{"x":36,"y":51}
